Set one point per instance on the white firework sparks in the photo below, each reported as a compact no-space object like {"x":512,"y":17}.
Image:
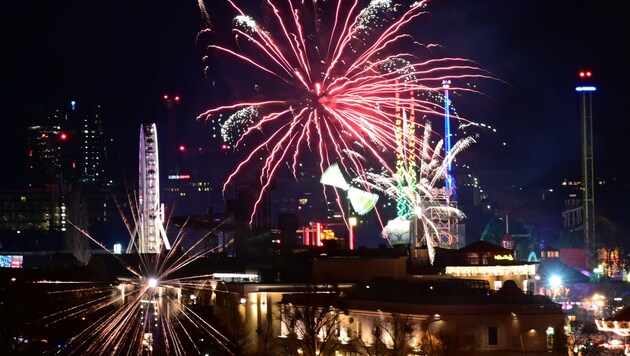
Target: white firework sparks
{"x":423,"y":195}
{"x":145,"y":312}
{"x":236,"y":125}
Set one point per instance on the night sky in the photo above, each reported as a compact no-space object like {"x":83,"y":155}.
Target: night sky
{"x":125,"y":54}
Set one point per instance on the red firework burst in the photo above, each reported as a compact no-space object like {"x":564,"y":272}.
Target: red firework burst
{"x":346,"y":69}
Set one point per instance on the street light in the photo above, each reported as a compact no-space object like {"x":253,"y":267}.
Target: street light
{"x":520,"y":336}
{"x":555,"y":281}
{"x":435,"y":318}
{"x":352,"y":222}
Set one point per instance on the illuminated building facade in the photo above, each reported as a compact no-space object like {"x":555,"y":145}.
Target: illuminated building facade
{"x":66,"y":163}
{"x":68,"y":145}
{"x":494,"y":264}
{"x":68,"y":148}
{"x":618,"y":325}
{"x":93,"y":148}
{"x":44,"y":156}
{"x":32,"y":209}
{"x":461,"y":315}
{"x":67,"y":151}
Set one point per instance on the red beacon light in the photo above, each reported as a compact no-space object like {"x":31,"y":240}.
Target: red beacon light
{"x":585,"y":76}
{"x":171,"y":100}
{"x":63,"y":136}
{"x":182,"y":148}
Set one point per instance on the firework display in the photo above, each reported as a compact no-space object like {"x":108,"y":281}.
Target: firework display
{"x":340,"y":82}
{"x":405,"y":138}
{"x":422,"y":195}
{"x":151,"y":309}
{"x":328,"y":78}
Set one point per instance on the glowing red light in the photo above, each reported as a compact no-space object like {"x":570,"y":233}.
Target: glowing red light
{"x":182,"y":148}
{"x":44,"y":135}
{"x":165,"y":97}
{"x":224,"y":146}
{"x":586,"y":74}
{"x":63,"y":136}
{"x":177,"y":98}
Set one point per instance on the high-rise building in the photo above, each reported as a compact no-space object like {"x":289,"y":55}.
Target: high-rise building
{"x":93,"y":148}
{"x":32,"y":209}
{"x":44,"y":153}
{"x":68,"y":145}
{"x":67,"y":180}
{"x":189,"y":178}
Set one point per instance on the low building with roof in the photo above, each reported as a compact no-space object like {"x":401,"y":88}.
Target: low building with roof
{"x":438,"y":315}
{"x":619,"y":325}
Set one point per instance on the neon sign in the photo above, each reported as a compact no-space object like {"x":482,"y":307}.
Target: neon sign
{"x":179,"y":176}
{"x":504,"y":257}
{"x":442,"y":191}
{"x":11,"y":261}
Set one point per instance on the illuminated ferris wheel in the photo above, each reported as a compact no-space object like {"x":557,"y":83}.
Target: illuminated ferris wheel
{"x":149,"y":235}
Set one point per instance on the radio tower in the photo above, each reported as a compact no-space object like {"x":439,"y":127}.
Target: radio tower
{"x":149,"y":235}
{"x":588,"y":193}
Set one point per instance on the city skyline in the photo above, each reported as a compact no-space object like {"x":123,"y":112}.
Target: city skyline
{"x":229,"y":260}
{"x":126,"y":60}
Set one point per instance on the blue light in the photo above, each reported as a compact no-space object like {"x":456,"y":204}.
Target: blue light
{"x":449,"y":182}
{"x":73,"y":104}
{"x":587,"y":88}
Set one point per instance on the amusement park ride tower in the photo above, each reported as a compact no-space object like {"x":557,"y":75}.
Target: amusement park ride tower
{"x":448,"y":225}
{"x":405,"y":151}
{"x":588,"y":194}
{"x":149,"y":236}
{"x":450,"y":184}
{"x":406,"y":156}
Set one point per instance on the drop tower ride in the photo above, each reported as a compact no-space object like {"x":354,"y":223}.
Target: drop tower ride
{"x":588,"y":192}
